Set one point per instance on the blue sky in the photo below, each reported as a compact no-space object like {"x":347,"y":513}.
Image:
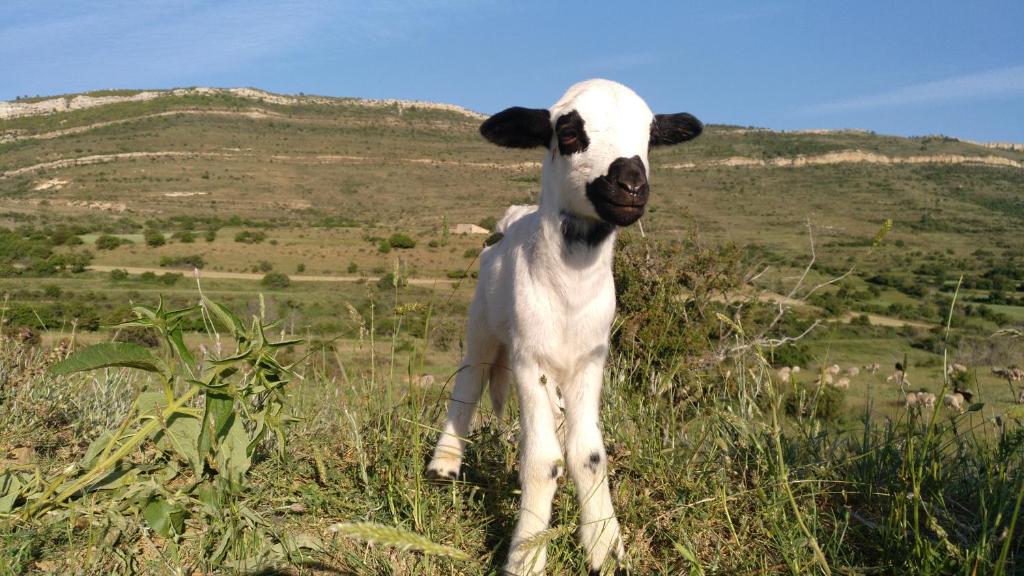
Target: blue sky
{"x":908,"y":68}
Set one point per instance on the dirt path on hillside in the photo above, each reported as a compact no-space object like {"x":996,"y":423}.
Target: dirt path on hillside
{"x":252,"y":276}
{"x":314,"y":159}
{"x":252,"y":114}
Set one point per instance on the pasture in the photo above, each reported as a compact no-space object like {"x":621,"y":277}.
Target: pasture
{"x":717,"y":465}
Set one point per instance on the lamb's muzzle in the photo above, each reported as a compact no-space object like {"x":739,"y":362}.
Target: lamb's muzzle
{"x":544,"y":304}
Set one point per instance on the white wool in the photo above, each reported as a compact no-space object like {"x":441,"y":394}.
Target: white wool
{"x":540,"y":323}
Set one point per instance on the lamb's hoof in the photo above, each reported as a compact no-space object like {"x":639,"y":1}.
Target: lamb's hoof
{"x":442,"y":470}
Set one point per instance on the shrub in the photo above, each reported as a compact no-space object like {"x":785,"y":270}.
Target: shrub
{"x":109,"y":242}
{"x":384,"y":247}
{"x":276,"y":280}
{"x":352,"y":268}
{"x":184,"y":236}
{"x":471,"y":253}
{"x":210,"y":235}
{"x":490,"y":223}
{"x":250,"y":236}
{"x":456,"y":274}
{"x":52,"y":291}
{"x":119,"y":274}
{"x":265,"y":266}
{"x":824,"y":402}
{"x":401,"y":241}
{"x":300,"y":268}
{"x":388,"y":282}
{"x":187,"y":261}
{"x":154,"y":238}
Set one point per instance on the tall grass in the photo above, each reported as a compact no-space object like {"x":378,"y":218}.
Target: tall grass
{"x":710,"y":472}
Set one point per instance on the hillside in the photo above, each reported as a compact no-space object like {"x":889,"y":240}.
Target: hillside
{"x":327,"y":180}
{"x":297,"y":268}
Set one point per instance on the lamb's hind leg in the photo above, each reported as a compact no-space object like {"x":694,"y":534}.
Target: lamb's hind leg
{"x":481,"y":349}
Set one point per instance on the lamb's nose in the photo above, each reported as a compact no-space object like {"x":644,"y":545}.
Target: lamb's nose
{"x":629,"y":174}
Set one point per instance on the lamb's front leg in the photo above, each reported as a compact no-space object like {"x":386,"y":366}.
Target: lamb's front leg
{"x":469,"y":383}
{"x":540,"y":465}
{"x":588,"y":468}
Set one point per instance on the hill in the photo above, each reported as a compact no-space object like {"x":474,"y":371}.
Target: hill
{"x":248,"y":182}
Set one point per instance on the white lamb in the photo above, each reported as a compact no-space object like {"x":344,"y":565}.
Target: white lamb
{"x":543,"y":308}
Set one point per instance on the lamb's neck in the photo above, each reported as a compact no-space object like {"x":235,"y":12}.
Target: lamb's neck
{"x":577,"y":243}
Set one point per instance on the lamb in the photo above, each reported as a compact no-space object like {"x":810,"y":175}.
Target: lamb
{"x":842,"y":383}
{"x":852,"y":371}
{"x":542,"y":312}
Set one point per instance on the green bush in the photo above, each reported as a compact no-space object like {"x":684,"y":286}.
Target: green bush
{"x":352,"y":268}
{"x":118,"y":274}
{"x":456,"y":274}
{"x":184,"y":236}
{"x":250,"y":236}
{"x":265,"y":266}
{"x":187,"y":261}
{"x":388,"y":282}
{"x":154,"y":238}
{"x":471,"y":253}
{"x":490,"y":223}
{"x":109,"y":242}
{"x":401,"y":241}
{"x":276,"y":280}
{"x":824,"y":402}
{"x":384,"y":247}
{"x":210,"y":235}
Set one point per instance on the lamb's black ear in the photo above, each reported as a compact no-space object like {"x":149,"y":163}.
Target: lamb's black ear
{"x":518,"y":128}
{"x":669,"y":129}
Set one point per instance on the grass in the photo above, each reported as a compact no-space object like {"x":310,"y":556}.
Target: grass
{"x":710,"y":473}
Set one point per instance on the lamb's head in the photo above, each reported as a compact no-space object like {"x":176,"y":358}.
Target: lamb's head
{"x":597,"y":135}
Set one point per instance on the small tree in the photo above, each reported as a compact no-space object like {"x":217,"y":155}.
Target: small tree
{"x":401,"y":241}
{"x":276,"y":280}
{"x":154,"y":238}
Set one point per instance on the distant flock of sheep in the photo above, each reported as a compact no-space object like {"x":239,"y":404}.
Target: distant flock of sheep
{"x":837,"y":377}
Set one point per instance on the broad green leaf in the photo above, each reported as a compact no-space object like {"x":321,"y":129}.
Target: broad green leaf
{"x":149,"y":403}
{"x":226,"y":317}
{"x":178,"y":341}
{"x":219,"y":408}
{"x":233,"y":451}
{"x":95,"y":448}
{"x":165,"y":518}
{"x":110,"y":354}
{"x":183,"y":435}
{"x":975,"y":407}
{"x":10,"y":489}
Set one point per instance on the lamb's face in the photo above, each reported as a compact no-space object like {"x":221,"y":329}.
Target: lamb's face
{"x":597,"y":136}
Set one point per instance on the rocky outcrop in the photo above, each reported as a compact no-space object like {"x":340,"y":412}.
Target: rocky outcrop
{"x":850,"y":157}
{"x":78,"y":102}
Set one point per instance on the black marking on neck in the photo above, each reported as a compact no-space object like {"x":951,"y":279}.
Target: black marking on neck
{"x":577,"y":230}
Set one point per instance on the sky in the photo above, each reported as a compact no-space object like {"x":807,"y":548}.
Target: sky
{"x":905,"y":68}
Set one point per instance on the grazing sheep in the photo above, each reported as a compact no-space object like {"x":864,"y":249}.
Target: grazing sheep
{"x":926,"y":399}
{"x":794,"y":369}
{"x":784,"y":373}
{"x":890,"y":378}
{"x":956,"y":368}
{"x":1020,"y":397}
{"x":842,"y":383}
{"x":852,"y":371}
{"x":873,"y":368}
{"x":954,"y":401}
{"x":911,"y":399}
{"x":544,"y":304}
{"x":833,"y":369}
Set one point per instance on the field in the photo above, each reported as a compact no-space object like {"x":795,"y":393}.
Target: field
{"x":335,"y":222}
